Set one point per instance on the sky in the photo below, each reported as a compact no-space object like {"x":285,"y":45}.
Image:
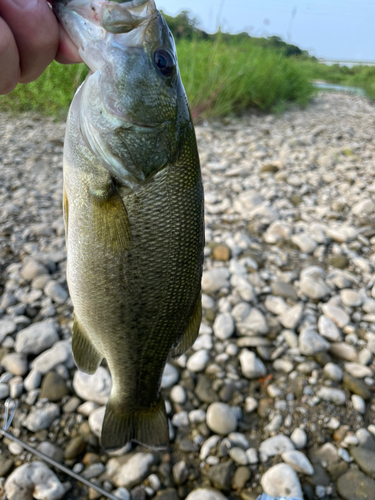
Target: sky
{"x":330,"y":29}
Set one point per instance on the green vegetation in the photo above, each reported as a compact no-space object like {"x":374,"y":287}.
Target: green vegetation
{"x":222,"y":73}
{"x":357,"y":76}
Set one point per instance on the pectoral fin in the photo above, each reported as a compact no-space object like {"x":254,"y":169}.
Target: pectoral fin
{"x":191,"y":332}
{"x":111,"y":221}
{"x":86,"y":357}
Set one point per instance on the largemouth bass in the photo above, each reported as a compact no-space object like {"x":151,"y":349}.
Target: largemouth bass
{"x":133,"y":210}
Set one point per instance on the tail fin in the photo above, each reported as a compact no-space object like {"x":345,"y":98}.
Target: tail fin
{"x":148,"y":427}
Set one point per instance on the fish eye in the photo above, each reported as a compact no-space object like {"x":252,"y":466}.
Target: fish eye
{"x":164,"y":62}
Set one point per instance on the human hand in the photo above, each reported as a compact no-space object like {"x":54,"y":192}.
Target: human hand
{"x":30,"y":39}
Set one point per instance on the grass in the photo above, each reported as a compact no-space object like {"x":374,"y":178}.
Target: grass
{"x":220,"y":78}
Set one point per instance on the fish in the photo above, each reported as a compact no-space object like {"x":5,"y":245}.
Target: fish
{"x":133,"y":209}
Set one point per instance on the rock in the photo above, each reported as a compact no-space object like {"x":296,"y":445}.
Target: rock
{"x":180,"y":472}
{"x":238,"y":455}
{"x":121,"y":494}
{"x":33,"y":480}
{"x":170,"y":376}
{"x":36,"y":338}
{"x":359,"y":404}
{"x":4,"y":391}
{"x":178,"y":395}
{"x":221,"y":475}
{"x":284,"y":290}
{"x":255,"y":323}
{"x":276,"y":305}
{"x":333,"y":372}
{"x":59,"y":353}
{"x":53,"y":387}
{"x":6,"y":328}
{"x":221,"y":252}
{"x":328,"y":329}
{"x":51,"y":450}
{"x":354,"y":485}
{"x":33,"y":380}
{"x":41,"y":418}
{"x":240,"y":478}
{"x":343,"y":351}
{"x":198,"y":361}
{"x":204,"y":390}
{"x":251,"y":366}
{"x":224,"y":326}
{"x":335,"y":396}
{"x":281,"y":481}
{"x":291,"y":318}
{"x":363,"y":207}
{"x":15,"y":363}
{"x":96,"y":419}
{"x":75,"y":447}
{"x":298,"y":461}
{"x":336,"y":314}
{"x":276,"y":445}
{"x":215,"y":279}
{"x":55,"y":291}
{"x":358,"y":371}
{"x":311,"y":343}
{"x":338,"y":261}
{"x":350,"y":298}
{"x":32,"y":269}
{"x":135,"y":470}
{"x":221,"y":418}
{"x":314,"y":288}
{"x":356,"y":386}
{"x":299,"y":438}
{"x":205,"y":494}
{"x":304,"y":243}
{"x":96,"y":387}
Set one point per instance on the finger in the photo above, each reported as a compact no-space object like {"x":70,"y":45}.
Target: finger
{"x":67,"y":52}
{"x":36,"y":33}
{"x":9,"y":60}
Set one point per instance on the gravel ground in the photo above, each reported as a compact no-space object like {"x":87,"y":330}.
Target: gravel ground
{"x":278,"y":392}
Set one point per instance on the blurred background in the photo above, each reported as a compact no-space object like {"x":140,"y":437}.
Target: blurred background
{"x":236,"y":55}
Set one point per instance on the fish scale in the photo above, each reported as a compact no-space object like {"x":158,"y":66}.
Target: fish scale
{"x":133,"y":211}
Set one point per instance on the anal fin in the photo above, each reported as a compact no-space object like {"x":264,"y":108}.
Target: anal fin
{"x":191,"y":332}
{"x":86,"y":356}
{"x":148,"y":426}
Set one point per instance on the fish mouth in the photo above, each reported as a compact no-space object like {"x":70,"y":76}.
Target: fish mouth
{"x":90,"y":23}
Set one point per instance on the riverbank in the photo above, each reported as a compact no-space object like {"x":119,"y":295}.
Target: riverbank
{"x":278,"y":392}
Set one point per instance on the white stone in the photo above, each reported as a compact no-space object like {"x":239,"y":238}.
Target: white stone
{"x":178,"y":394}
{"x":298,"y":461}
{"x":96,"y":387}
{"x":205,"y":494}
{"x":238,"y":455}
{"x":180,"y":419}
{"x":33,"y":380}
{"x":276,"y":445}
{"x":15,"y":363}
{"x":304,"y":243}
{"x":96,"y":419}
{"x":170,"y":376}
{"x":333,"y":372}
{"x":221,"y":419}
{"x":36,"y":338}
{"x":314,"y":288}
{"x":363,"y":207}
{"x":134,"y":470}
{"x":328,"y":329}
{"x":207,"y":446}
{"x":252,"y":456}
{"x":215,"y":279}
{"x":299,"y":438}
{"x":350,"y":297}
{"x":59,"y":353}
{"x":41,"y":418}
{"x":56,"y":292}
{"x":291,"y":318}
{"x":275,"y":305}
{"x":34,"y":480}
{"x":4,"y":391}
{"x":358,"y":371}
{"x":198,"y":361}
{"x":282,"y":481}
{"x":251,"y":404}
{"x":251,"y":366}
{"x":224,"y":326}
{"x":7,"y":327}
{"x":197,"y":416}
{"x":310,"y":342}
{"x":336,"y":314}
{"x":335,"y":396}
{"x":359,"y":404}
